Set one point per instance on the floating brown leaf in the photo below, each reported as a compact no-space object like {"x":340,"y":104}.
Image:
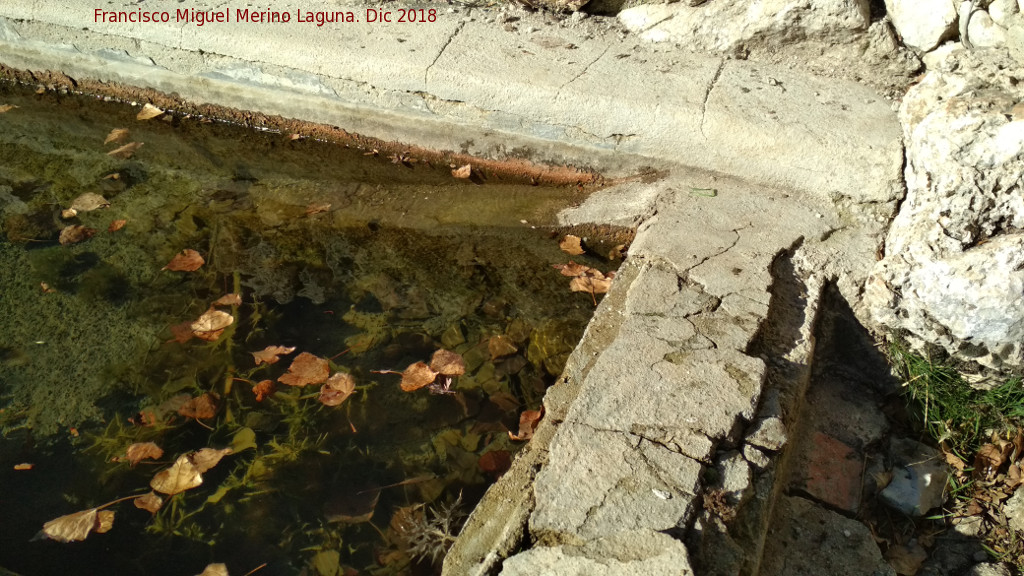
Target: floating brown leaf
{"x":271,"y":354}
{"x":148,"y":112}
{"x":74,"y":234}
{"x":116,"y":225}
{"x":207,"y":458}
{"x":24,"y":466}
{"x":181,"y":476}
{"x":495,"y":462}
{"x":337,"y":389}
{"x":500,"y":346}
{"x":72,"y":527}
{"x":528,"y":422}
{"x":590,"y":284}
{"x":464,"y":171}
{"x":5,"y":108}
{"x":186,"y":261}
{"x":116,"y":135}
{"x":571,"y":245}
{"x":201,"y":407}
{"x":149,"y":502}
{"x":230,"y":299}
{"x":141,"y":451}
{"x":317,"y":208}
{"x":211,"y":324}
{"x":417,"y":376}
{"x":262,"y":389}
{"x":306,"y":369}
{"x":125,"y":152}
{"x":88,"y":202}
{"x":46,"y":288}
{"x":448,"y":363}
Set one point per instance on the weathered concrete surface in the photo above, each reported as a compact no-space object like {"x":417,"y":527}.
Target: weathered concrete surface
{"x":433,"y":84}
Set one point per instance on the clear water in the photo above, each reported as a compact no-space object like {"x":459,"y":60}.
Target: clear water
{"x":405,"y":260}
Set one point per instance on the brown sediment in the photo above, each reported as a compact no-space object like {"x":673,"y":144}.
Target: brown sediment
{"x":508,"y":170}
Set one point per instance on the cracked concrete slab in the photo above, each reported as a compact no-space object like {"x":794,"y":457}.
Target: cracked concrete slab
{"x":637,"y":552}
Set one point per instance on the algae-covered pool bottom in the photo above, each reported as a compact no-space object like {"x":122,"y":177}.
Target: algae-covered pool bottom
{"x":121,"y":372}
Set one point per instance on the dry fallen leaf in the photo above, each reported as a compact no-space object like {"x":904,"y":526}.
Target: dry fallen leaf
{"x":148,"y":112}
{"x":464,"y":171}
{"x":270,"y":354}
{"x":201,"y":407}
{"x":183,"y":475}
{"x":306,"y":369}
{"x":4,"y":108}
{"x":262,"y":389}
{"x":72,"y":527}
{"x":125,"y":152}
{"x":88,"y":202}
{"x":528,"y":422}
{"x":211,"y":324}
{"x":337,"y":389}
{"x":24,"y":466}
{"x":1014,"y":476}
{"x":149,"y":502}
{"x":141,"y":451}
{"x":990,"y":458}
{"x":187,"y":260}
{"x":448,"y":363}
{"x":74,"y":234}
{"x":116,"y":225}
{"x":417,"y":376}
{"x":230,"y":299}
{"x":571,"y":245}
{"x":116,"y":135}
{"x":207,"y":458}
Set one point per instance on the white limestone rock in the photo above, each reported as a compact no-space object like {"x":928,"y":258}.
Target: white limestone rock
{"x":953,"y":271}
{"x":727,"y":25}
{"x":1002,"y":11}
{"x":984,"y":32}
{"x":923,"y":24}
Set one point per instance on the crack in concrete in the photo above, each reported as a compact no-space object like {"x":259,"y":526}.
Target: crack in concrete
{"x":582,"y":72}
{"x":707,"y":96}
{"x":735,"y":231}
{"x":455,"y":33}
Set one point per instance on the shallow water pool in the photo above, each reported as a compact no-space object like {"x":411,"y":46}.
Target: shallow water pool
{"x":359,"y":263}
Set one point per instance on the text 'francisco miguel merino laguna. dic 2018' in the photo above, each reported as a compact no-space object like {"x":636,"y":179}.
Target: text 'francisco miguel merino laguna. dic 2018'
{"x":245,"y":15}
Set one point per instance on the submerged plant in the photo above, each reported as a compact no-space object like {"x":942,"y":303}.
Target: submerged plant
{"x":428,"y":533}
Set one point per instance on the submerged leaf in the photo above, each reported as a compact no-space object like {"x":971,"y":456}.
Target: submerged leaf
{"x":352,"y":507}
{"x":148,"y":112}
{"x":230,"y":299}
{"x":495,"y":462}
{"x":207,"y":458}
{"x":528,"y":422}
{"x":571,"y":245}
{"x":141,"y":451}
{"x":104,"y":521}
{"x":149,"y":502}
{"x":116,"y":225}
{"x":200,"y":407}
{"x":125,"y":152}
{"x":211,"y":324}
{"x":337,"y":389}
{"x":500,"y":346}
{"x":88,"y":202}
{"x":187,"y":261}
{"x":74,"y":234}
{"x":417,"y":376}
{"x":4,"y":108}
{"x":262,"y":389}
{"x":448,"y":363}
{"x":182,"y":332}
{"x":116,"y":135}
{"x":317,"y":208}
{"x":72,"y":527}
{"x":181,"y":476}
{"x":271,"y":354}
{"x":214,"y":570}
{"x":306,"y":369}
{"x":464,"y":171}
